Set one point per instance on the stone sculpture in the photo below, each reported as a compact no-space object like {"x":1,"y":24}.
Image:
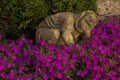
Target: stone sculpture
{"x":108,"y":7}
{"x":66,"y":28}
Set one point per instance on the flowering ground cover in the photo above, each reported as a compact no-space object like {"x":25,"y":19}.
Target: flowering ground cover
{"x":95,"y":59}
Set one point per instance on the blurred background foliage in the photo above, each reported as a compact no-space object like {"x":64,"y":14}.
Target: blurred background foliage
{"x":19,"y":17}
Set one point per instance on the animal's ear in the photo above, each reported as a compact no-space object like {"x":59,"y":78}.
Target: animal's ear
{"x":78,"y":19}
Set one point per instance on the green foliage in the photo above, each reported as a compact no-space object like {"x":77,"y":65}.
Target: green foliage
{"x":22,"y":16}
{"x":16,"y":15}
{"x":76,"y":6}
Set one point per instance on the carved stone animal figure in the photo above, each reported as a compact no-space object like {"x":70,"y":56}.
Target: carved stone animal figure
{"x":66,"y":28}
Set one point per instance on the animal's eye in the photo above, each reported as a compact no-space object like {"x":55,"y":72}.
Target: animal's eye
{"x":79,"y":26}
{"x":90,"y":20}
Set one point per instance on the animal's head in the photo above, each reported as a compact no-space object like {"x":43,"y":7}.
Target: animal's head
{"x":87,"y":20}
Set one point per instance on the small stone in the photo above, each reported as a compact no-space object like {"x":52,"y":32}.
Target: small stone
{"x":108,"y":7}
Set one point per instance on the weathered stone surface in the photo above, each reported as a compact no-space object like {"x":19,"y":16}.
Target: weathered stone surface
{"x":108,"y":7}
{"x":66,"y":28}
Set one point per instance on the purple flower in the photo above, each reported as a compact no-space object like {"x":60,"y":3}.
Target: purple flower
{"x":35,"y":75}
{"x":74,"y":56}
{"x":97,"y":76}
{"x":50,"y":57}
{"x":8,"y":53}
{"x":9,"y":65}
{"x":82,"y":73}
{"x":59,"y":57}
{"x":88,"y":64}
{"x":45,"y":77}
{"x":42,"y":43}
{"x":30,"y":41}
{"x":59,"y":66}
{"x":11,"y":75}
{"x":65,"y":62}
{"x":81,"y":53}
{"x":101,"y":59}
{"x":14,"y":58}
{"x":2,"y":67}
{"x":72,"y":66}
{"x":3,"y":74}
{"x":16,"y":49}
{"x":24,"y":39}
{"x":67,"y":48}
{"x":95,"y":67}
{"x":51,"y":48}
{"x":113,"y":73}
{"x":26,"y":54}
{"x":60,"y":76}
